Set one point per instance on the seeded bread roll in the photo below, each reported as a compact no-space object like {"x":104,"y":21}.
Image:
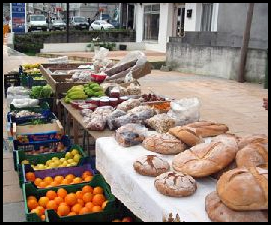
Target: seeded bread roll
{"x":175,"y":184}
{"x":151,"y":165}
{"x":205,"y":159}
{"x":218,"y":212}
{"x":186,"y":134}
{"x":208,"y":128}
{"x":244,"y":188}
{"x":165,"y":144}
{"x":254,"y":138}
{"x":254,"y":154}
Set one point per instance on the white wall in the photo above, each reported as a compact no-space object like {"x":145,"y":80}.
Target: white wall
{"x":191,"y":23}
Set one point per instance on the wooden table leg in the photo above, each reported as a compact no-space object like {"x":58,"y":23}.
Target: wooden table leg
{"x":75,"y":128}
{"x":59,"y":110}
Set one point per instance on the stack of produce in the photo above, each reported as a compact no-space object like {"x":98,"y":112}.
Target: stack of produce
{"x":41,"y":91}
{"x":76,"y":92}
{"x":93,"y":90}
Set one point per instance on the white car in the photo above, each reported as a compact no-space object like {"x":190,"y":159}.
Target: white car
{"x":57,"y":25}
{"x":37,"y":22}
{"x":101,"y":25}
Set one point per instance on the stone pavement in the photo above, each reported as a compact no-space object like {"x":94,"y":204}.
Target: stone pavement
{"x":239,"y":105}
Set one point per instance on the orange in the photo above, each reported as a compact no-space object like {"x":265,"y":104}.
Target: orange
{"x":96,"y":208}
{"x":63,"y":203}
{"x":72,"y":214}
{"x":58,"y":200}
{"x":104,"y":204}
{"x":77,"y":180}
{"x":43,"y":201}
{"x":37,"y":211}
{"x":63,"y":210}
{"x":70,"y":177}
{"x":87,"y":197}
{"x":42,"y":185}
{"x":76,"y":208}
{"x":79,"y":194}
{"x":86,"y":189}
{"x":37,"y":181}
{"x":30,"y":176}
{"x":65,"y":182}
{"x":51,"y":194}
{"x":32,"y":197}
{"x":71,"y":199}
{"x":89,"y":205}
{"x":51,"y":205}
{"x":41,"y":210}
{"x":48,"y":180}
{"x":32,"y":204}
{"x":42,"y":217}
{"x":61,"y":192}
{"x":81,"y":202}
{"x":88,"y":178}
{"x":59,"y":179}
{"x":98,"y":190}
{"x":84,"y":210}
{"x":54,"y":184}
{"x":98,"y":199}
{"x":86,"y":174}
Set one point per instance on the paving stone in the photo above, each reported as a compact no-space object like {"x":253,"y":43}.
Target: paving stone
{"x":8,"y":164}
{"x":12,"y":193}
{"x":14,"y":212}
{"x":10,"y":178}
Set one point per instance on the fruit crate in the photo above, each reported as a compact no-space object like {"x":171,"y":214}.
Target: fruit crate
{"x":30,"y":190}
{"x":42,"y":158}
{"x":42,"y":106}
{"x":11,"y":79}
{"x":65,"y":140}
{"x":32,"y":82}
{"x":88,"y":164}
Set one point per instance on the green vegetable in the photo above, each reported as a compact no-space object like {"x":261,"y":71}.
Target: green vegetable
{"x":41,"y":91}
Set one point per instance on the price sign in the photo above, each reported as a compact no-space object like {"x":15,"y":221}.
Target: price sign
{"x":18,"y":14}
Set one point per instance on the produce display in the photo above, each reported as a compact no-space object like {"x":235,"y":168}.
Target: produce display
{"x":39,"y":78}
{"x":53,"y":147}
{"x":93,"y":90}
{"x":24,"y":113}
{"x":58,"y":180}
{"x":88,"y":200}
{"x":41,"y":91}
{"x":76,"y":92}
{"x":124,"y":219}
{"x":31,"y":66}
{"x":152,"y":97}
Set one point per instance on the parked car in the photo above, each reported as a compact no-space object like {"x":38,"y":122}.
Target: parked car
{"x":79,"y":22}
{"x":37,"y":22}
{"x":101,"y":25}
{"x":57,"y":25}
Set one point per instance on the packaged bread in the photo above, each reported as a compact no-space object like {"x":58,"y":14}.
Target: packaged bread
{"x":130,"y":134}
{"x":129,"y":104}
{"x":218,"y":212}
{"x":111,"y":118}
{"x":165,"y":144}
{"x":186,"y":134}
{"x":254,"y":138}
{"x":161,"y":123}
{"x":244,"y":188}
{"x":253,"y":154}
{"x":105,"y":111}
{"x":208,"y":128}
{"x":205,"y":159}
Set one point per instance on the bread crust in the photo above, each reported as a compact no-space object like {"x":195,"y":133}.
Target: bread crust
{"x":254,"y":138}
{"x":218,"y":212}
{"x":244,"y":188}
{"x":175,"y":184}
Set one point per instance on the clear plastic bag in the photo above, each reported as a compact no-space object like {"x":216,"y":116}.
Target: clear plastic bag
{"x":97,"y":123}
{"x":143,"y":112}
{"x":104,"y":111}
{"x":161,"y":122}
{"x":130,"y":134}
{"x":185,"y":111}
{"x":133,"y":89}
{"x":111,"y":118}
{"x":129,"y":104}
{"x":123,"y":120}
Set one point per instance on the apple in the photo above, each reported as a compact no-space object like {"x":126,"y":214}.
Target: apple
{"x":127,"y":219}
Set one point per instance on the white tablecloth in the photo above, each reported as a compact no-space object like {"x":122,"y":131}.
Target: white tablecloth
{"x":138,"y":193}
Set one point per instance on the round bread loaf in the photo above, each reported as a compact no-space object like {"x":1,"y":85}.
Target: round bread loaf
{"x":175,"y":184}
{"x":165,"y":144}
{"x":151,"y":165}
{"x":253,"y":154}
{"x":244,"y":188}
{"x":219,"y":212}
{"x":186,"y":134}
{"x":254,"y":138}
{"x":205,"y":159}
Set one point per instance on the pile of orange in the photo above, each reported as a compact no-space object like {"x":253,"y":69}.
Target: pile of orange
{"x":88,"y":200}
{"x":48,"y":182}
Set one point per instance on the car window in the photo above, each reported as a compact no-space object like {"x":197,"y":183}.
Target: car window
{"x":79,"y":19}
{"x":58,"y":21}
{"x":37,"y":18}
{"x":97,"y":23}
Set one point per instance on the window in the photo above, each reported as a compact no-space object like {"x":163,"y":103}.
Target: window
{"x":151,"y":22}
{"x":206,"y":16}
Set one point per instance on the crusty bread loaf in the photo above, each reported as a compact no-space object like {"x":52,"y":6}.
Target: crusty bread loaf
{"x":186,"y":135}
{"x":244,"y":188}
{"x":253,"y":154}
{"x":231,"y":166}
{"x":165,"y":144}
{"x":175,"y":184}
{"x":208,"y":128}
{"x":205,"y":159}
{"x":151,"y":165}
{"x":254,"y":138}
{"x":218,"y":212}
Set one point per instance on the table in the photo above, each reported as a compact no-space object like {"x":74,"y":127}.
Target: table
{"x":138,"y":193}
{"x":77,"y":120}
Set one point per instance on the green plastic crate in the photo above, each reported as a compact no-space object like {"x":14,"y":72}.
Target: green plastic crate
{"x":42,"y":158}
{"x":30,"y":190}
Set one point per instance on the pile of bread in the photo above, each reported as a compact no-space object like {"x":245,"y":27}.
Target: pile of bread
{"x":239,"y":163}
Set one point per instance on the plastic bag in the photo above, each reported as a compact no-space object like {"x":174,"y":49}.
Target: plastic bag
{"x":86,"y":112}
{"x":104,"y":111}
{"x":111,"y":118}
{"x":143,"y":112}
{"x":123,"y":120}
{"x":129,"y":77}
{"x":131,"y":56}
{"x":185,"y":111}
{"x":17,"y":90}
{"x":97,"y":123}
{"x":129,"y":104}
{"x":133,"y":89}
{"x":130,"y":134}
{"x":25,"y":102}
{"x":161,"y":122}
